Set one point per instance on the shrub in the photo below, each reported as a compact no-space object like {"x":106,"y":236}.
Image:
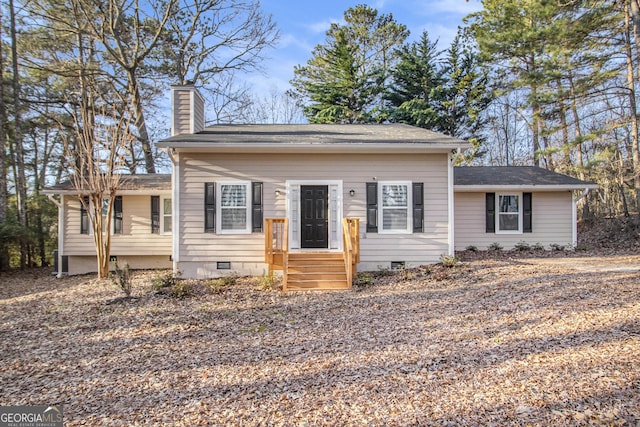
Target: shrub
{"x":219,"y":285}
{"x":363,"y":279}
{"x":538,"y":247}
{"x":471,"y":248}
{"x":121,"y":277}
{"x":166,"y":280}
{"x":522,"y":246}
{"x":449,"y":260}
{"x":170,"y":284}
{"x":269,"y":283}
{"x":181,"y":289}
{"x":556,"y":247}
{"x":495,"y":246}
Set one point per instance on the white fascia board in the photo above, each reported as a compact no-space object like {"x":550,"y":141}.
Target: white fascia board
{"x":520,"y":188}
{"x":314,"y":148}
{"x":146,"y":191}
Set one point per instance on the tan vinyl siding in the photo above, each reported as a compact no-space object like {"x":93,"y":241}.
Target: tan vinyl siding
{"x":552,"y":221}
{"x":198,"y":112}
{"x":136,"y":237}
{"x":182,"y":112}
{"x":197,"y":248}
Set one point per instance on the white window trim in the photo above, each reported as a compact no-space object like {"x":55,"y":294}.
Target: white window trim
{"x":520,"y":213}
{"x":409,"y":229}
{"x":162,"y":215}
{"x":247,"y":229}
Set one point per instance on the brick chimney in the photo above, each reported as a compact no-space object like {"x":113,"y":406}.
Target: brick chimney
{"x":187,"y":110}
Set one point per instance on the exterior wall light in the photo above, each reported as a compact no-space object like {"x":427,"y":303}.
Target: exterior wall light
{"x":352,"y":192}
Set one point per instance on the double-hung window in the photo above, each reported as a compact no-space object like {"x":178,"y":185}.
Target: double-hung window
{"x":167,"y":215}
{"x":233,"y":207}
{"x":161,"y":215}
{"x":116,"y":219}
{"x":395,"y":207}
{"x":509,"y":212}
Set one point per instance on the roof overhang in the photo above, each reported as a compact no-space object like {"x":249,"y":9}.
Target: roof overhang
{"x":519,"y":188}
{"x":279,"y":148}
{"x":140,"y":192}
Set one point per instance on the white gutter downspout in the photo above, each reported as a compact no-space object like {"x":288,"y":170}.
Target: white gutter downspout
{"x":60,"y":205}
{"x":574,"y":214}
{"x":451,"y":204}
{"x":175,"y":206}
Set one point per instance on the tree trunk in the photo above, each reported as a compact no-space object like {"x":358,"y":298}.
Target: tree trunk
{"x":4,"y":253}
{"x":21,"y":180}
{"x":140,"y":123}
{"x":635,"y":147}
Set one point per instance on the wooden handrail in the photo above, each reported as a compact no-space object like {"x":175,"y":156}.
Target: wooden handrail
{"x":350,"y":233}
{"x":276,"y":246}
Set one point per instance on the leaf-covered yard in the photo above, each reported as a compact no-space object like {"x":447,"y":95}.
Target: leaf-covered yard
{"x":490,"y":341}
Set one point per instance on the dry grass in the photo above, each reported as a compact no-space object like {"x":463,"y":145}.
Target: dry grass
{"x":487,"y":342}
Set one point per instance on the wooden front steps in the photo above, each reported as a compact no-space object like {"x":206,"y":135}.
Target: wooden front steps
{"x":316,"y":271}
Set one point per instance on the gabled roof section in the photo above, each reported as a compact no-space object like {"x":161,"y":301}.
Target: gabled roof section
{"x":469,"y":178}
{"x":314,"y":137}
{"x":143,"y":183}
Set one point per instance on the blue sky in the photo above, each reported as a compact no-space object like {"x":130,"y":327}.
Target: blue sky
{"x":303,"y":24}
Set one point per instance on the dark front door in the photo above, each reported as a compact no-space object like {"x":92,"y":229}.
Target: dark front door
{"x":314,"y":213}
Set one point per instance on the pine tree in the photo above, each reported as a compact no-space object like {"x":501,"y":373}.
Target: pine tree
{"x":346,"y":76}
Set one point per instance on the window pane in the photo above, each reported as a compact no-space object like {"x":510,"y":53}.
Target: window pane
{"x":234,"y":218}
{"x":509,"y":204}
{"x":233,"y":195}
{"x":509,"y":222}
{"x":394,"y":219}
{"x":166,"y":216}
{"x":394,"y":195}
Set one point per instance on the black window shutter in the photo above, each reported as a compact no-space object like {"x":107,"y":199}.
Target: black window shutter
{"x":155,"y":214}
{"x":372,"y":207}
{"x":210,"y":207}
{"x":491,"y":212}
{"x":84,"y":217}
{"x":256,"y":207}
{"x":418,"y":207}
{"x":527,"y":212}
{"x":117,"y":215}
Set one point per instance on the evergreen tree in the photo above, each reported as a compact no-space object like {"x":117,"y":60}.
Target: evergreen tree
{"x":442,"y":91}
{"x":346,"y":76}
{"x":415,"y":95}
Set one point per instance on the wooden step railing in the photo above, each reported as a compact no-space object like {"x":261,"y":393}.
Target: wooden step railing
{"x":277,"y":248}
{"x":351,"y":236}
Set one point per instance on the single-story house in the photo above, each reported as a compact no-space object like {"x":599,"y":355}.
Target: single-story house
{"x":318,"y":202}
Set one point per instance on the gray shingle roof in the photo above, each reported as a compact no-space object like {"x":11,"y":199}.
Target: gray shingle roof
{"x":512,"y":176}
{"x":149,"y":182}
{"x":313,"y":134}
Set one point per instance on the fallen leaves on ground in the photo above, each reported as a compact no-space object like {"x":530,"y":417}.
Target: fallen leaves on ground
{"x":487,"y":342}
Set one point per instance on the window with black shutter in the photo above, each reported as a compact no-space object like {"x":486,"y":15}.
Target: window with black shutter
{"x":84,"y":216}
{"x":256,"y":207}
{"x":155,"y":214}
{"x":372,"y":207}
{"x":490,"y":208}
{"x":210,"y":207}
{"x":418,"y":207}
{"x":117,"y":215}
{"x":527,"y":213}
